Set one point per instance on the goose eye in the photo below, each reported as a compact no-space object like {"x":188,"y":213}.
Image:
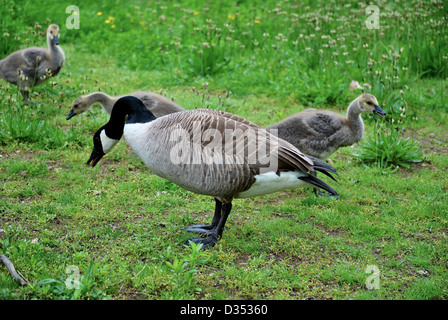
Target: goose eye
{"x":369,"y":102}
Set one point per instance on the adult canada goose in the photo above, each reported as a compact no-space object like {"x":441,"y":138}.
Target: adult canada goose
{"x":156,"y":103}
{"x":209,"y":152}
{"x":30,"y":67}
{"x":319,"y":133}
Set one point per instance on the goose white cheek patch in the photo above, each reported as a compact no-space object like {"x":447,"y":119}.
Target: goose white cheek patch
{"x":107,"y":142}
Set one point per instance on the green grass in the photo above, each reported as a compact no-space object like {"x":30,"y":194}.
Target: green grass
{"x":121,"y":226}
{"x":387,"y":149}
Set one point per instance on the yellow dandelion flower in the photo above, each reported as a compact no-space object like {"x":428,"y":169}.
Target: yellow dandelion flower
{"x":111,"y":18}
{"x":112,"y":26}
{"x":142,"y":23}
{"x":99,"y":13}
{"x":231,"y":16}
{"x":257,"y":21}
{"x":107,"y":21}
{"x":196,"y":13}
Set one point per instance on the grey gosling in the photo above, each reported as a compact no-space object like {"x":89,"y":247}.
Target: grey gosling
{"x":30,"y":67}
{"x":319,"y":133}
{"x":209,"y":152}
{"x":157,"y":104}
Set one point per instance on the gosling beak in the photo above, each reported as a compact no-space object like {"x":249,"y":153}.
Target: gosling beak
{"x":95,"y":157}
{"x":71,"y":114}
{"x":56,"y":40}
{"x":379,"y":111}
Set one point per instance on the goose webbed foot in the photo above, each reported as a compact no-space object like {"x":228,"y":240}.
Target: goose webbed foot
{"x":331,"y":196}
{"x":206,"y":242}
{"x":319,"y":193}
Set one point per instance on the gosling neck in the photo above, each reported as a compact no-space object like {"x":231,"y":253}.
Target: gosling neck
{"x":105,"y":100}
{"x":354,"y":119}
{"x":56,"y":52}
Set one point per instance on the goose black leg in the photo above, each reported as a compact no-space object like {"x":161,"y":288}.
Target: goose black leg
{"x":207,"y":228}
{"x":216,"y":231}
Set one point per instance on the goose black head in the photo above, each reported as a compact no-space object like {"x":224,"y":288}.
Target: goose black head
{"x":135,"y":109}
{"x":102,"y":144}
{"x":107,"y":136}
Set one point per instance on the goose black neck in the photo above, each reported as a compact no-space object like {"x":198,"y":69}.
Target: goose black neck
{"x":129,"y":108}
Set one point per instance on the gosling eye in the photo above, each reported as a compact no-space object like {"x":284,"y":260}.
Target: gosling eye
{"x":76,"y":106}
{"x":369,"y":103}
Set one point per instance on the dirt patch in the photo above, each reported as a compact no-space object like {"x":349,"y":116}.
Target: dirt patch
{"x":18,"y":154}
{"x":430,"y":142}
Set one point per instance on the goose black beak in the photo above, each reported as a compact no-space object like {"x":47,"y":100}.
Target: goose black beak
{"x":95,"y":157}
{"x":56,"y":40}
{"x":379,"y":111}
{"x":71,"y":114}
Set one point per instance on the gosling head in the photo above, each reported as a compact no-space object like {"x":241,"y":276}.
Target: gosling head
{"x":102,"y":144}
{"x":53,"y":34}
{"x":79,"y":105}
{"x":367,"y":103}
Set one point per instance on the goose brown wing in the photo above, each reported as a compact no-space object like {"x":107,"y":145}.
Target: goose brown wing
{"x":217,"y":154}
{"x":286,"y":155}
{"x":232,"y":116}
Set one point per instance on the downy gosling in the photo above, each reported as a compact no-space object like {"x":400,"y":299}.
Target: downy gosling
{"x":30,"y":67}
{"x":209,"y":152}
{"x":157,"y":104}
{"x":319,"y":133}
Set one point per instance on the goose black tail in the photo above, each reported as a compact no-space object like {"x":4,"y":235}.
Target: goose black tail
{"x":323,"y":167}
{"x":319,"y":183}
